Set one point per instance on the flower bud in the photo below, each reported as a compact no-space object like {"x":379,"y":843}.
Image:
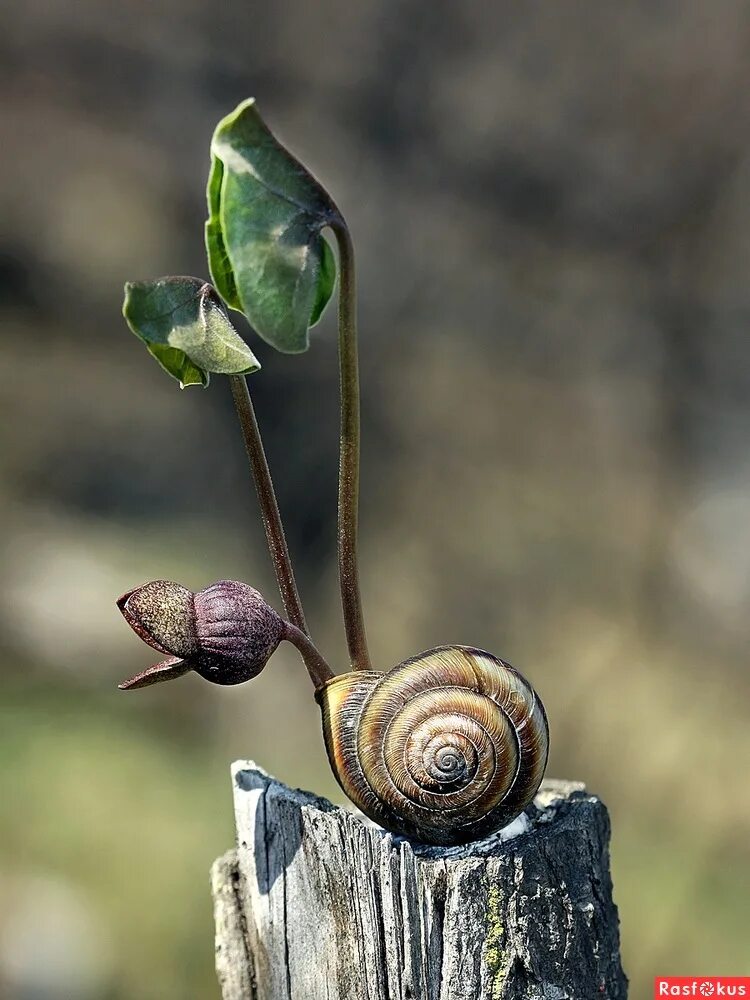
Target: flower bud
{"x":226,"y":632}
{"x":237,"y":632}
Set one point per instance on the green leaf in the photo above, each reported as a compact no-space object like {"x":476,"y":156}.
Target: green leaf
{"x":263,"y":235}
{"x":184,"y":326}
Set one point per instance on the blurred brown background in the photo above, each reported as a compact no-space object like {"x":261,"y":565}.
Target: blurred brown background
{"x":551,"y":205}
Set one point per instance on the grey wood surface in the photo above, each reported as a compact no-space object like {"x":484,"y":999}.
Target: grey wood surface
{"x":317,"y":903}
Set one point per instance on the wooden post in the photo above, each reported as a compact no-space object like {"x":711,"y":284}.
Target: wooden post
{"x":316,"y":903}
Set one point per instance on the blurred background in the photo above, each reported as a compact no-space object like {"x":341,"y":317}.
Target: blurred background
{"x":551,"y":206}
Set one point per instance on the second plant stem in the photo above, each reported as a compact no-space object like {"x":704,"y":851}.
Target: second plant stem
{"x":348,"y":499}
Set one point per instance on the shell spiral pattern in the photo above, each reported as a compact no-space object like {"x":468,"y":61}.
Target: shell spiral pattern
{"x":444,"y":748}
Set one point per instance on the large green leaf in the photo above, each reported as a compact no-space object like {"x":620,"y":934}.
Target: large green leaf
{"x":263,"y":235}
{"x":183,"y":324}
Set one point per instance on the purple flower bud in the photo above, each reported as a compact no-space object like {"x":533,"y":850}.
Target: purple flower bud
{"x":226,"y":633}
{"x":237,"y":632}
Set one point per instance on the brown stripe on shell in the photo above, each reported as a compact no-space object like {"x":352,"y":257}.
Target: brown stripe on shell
{"x":341,"y":702}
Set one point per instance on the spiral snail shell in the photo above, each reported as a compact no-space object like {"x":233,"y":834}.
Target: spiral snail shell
{"x":444,"y":748}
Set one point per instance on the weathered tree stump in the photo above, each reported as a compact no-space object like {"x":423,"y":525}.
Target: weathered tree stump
{"x":316,"y":902}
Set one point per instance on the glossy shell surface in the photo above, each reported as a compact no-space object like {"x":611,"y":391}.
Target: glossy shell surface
{"x":444,"y":748}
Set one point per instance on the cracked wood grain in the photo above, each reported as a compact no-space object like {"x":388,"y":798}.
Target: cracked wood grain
{"x":317,"y":903}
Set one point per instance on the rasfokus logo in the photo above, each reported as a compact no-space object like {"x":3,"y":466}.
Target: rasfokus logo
{"x":702,"y":986}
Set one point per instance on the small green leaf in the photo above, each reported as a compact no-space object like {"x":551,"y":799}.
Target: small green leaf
{"x":184,"y":326}
{"x":263,"y":235}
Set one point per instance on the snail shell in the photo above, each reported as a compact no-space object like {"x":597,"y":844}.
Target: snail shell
{"x":444,"y":748}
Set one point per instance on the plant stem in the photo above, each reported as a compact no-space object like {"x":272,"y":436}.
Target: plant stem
{"x":349,"y":449}
{"x":269,"y":508}
{"x":317,"y":667}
